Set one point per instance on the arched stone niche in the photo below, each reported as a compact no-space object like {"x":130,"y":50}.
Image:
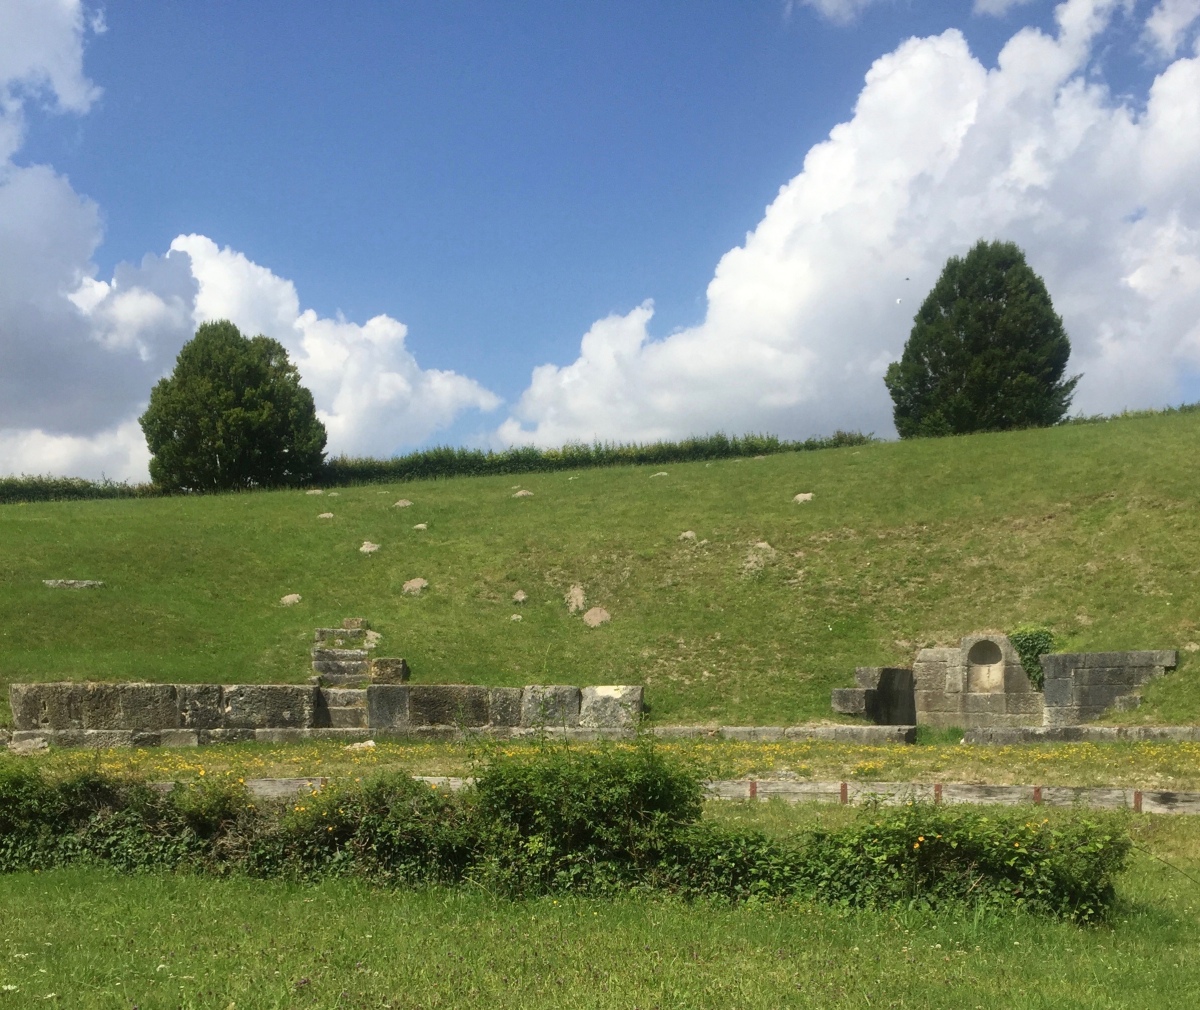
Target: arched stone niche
{"x":985,"y":668}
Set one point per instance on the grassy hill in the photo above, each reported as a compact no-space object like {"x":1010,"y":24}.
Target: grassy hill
{"x":1093,"y":530}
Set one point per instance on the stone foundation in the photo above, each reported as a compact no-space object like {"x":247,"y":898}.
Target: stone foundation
{"x":147,"y":715}
{"x":1081,"y":686}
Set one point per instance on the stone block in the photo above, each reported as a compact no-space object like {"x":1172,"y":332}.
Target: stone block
{"x":344,"y":697}
{"x":349,"y":717}
{"x":387,"y":707}
{"x":554,"y":705}
{"x":932,"y":666}
{"x":936,"y":701}
{"x":447,"y":705}
{"x":349,"y":637}
{"x":852,"y":700}
{"x":504,"y":706}
{"x":100,"y":706}
{"x":200,"y":706}
{"x":223,"y":735}
{"x":1058,"y":691}
{"x":179,"y":738}
{"x":753,"y":733}
{"x":263,"y":706}
{"x":983,"y":704}
{"x":1024,"y":704}
{"x":56,"y":706}
{"x":611,"y":707}
{"x":867,"y":676}
{"x":389,"y":670}
{"x":142,"y":707}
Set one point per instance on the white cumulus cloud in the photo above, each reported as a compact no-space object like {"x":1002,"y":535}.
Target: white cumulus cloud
{"x":997,"y":8}
{"x":1169,"y":24}
{"x":804,"y":316}
{"x":838,"y":11}
{"x":370,"y":392}
{"x":78,"y":355}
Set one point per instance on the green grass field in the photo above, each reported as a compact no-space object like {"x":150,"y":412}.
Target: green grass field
{"x":94,"y":939}
{"x":1090,"y":529}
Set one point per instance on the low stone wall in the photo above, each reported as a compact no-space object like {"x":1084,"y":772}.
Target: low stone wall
{"x":1080,"y":686}
{"x":1081,"y":734}
{"x":113,"y":715}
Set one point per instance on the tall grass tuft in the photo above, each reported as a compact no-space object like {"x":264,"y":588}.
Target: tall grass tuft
{"x":448,"y":461}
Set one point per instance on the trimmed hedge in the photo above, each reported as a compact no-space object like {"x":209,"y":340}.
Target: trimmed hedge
{"x":601,"y":822}
{"x":448,"y":461}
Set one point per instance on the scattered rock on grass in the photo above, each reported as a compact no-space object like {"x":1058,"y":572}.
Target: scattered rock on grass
{"x":368,"y":547}
{"x":315,"y":490}
{"x":371,"y":639}
{"x":520,"y":596}
{"x":1191,"y":647}
{"x":325,"y":515}
{"x":361,"y":745}
{"x":421,"y":526}
{"x":661,"y":473}
{"x":523,"y":494}
{"x":596,"y":617}
{"x":574,"y":598}
{"x":806,"y":496}
{"x":414,"y":586}
{"x":290,"y":600}
{"x":73,"y":583}
{"x":687,"y":535}
{"x":403,"y":503}
{"x":515,"y":617}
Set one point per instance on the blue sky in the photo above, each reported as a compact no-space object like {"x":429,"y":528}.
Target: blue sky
{"x":509,"y":186}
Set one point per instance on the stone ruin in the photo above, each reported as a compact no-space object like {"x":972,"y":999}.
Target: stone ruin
{"x":350,"y":695}
{"x":982,"y":683}
{"x":184,"y":715}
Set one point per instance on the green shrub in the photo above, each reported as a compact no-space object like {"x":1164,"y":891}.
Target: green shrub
{"x":605,"y":822}
{"x":931,"y":856}
{"x":1032,"y":641}
{"x":584,"y":820}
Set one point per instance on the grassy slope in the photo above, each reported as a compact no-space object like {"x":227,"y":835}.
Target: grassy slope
{"x":1092,"y":529}
{"x":96,"y":939}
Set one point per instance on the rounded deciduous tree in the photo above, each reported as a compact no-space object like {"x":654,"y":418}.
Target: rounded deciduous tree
{"x":987,"y":351}
{"x":232,"y":415}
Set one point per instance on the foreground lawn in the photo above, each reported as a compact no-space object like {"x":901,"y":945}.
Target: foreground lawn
{"x":1090,"y":529}
{"x":1143,"y":765}
{"x":92,"y":939}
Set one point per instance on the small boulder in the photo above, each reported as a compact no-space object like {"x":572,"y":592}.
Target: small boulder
{"x":596,"y":617}
{"x":315,"y":490}
{"x":361,"y":745}
{"x":806,"y":496}
{"x":368,"y":547}
{"x":421,"y":526}
{"x":661,"y":473}
{"x":26,"y":747}
{"x":73,"y":583}
{"x":325,"y":515}
{"x":520,"y":596}
{"x":290,"y":600}
{"x":403,"y":503}
{"x":414,"y":586}
{"x":515,"y":617}
{"x":687,"y":535}
{"x":354,"y":624}
{"x":523,"y":494}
